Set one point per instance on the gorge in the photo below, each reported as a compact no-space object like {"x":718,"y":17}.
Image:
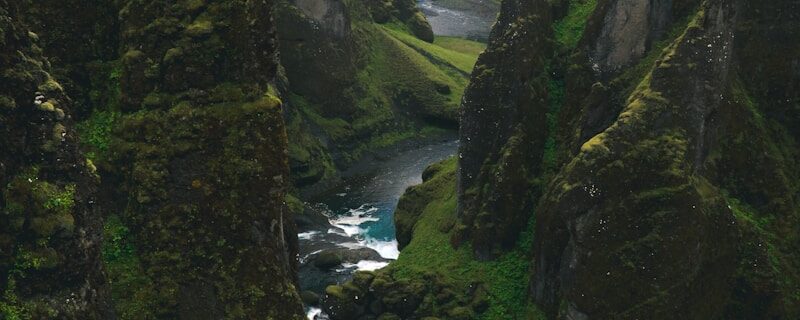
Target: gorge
{"x":395,"y":159}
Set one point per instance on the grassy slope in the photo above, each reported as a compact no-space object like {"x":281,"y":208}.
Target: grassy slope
{"x":568,"y":31}
{"x":430,"y":251}
{"x":398,"y":62}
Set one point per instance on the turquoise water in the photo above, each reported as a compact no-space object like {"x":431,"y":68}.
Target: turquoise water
{"x":364,"y":206}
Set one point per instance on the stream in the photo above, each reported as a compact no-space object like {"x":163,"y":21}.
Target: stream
{"x":360,"y":215}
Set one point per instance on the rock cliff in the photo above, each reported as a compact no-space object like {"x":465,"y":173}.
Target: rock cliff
{"x":199,"y":153}
{"x":50,"y":219}
{"x":662,"y":145}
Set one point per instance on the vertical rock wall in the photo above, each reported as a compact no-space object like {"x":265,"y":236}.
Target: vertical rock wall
{"x":50,"y":222}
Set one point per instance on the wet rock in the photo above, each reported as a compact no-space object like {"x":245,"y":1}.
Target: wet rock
{"x":310,"y":298}
{"x":327,"y":259}
{"x":344,"y":302}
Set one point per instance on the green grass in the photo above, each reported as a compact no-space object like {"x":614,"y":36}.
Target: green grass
{"x":406,"y":62}
{"x":458,"y":53}
{"x":568,"y":31}
{"x":336,"y":128}
{"x":506,"y":278}
{"x":461,"y":45}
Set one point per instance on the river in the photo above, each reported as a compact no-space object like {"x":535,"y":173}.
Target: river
{"x":473,"y":24}
{"x":361,"y":216}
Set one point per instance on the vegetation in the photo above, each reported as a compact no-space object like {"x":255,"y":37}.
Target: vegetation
{"x":131,"y":289}
{"x":430,"y":251}
{"x":568,"y":30}
{"x":96,"y":133}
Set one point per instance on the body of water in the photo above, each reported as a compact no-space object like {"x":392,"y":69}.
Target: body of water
{"x":455,"y":23}
{"x":361,"y":215}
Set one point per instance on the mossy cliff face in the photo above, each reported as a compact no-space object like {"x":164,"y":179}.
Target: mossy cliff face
{"x":664,"y":156}
{"x":199,"y":155}
{"x":78,"y":37}
{"x":634,"y":206}
{"x":50,"y":224}
{"x":503,"y":125}
{"x":361,"y":75}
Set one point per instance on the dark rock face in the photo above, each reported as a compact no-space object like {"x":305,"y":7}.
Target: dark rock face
{"x":673,"y":159}
{"x":634,"y":205}
{"x":200,"y":153}
{"x":503,"y":128}
{"x":78,"y":37}
{"x":50,"y":224}
{"x":629,"y":28}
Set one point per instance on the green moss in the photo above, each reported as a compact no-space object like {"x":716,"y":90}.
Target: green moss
{"x":335,"y":291}
{"x":506,"y":278}
{"x":10,"y":306}
{"x":7,"y":103}
{"x":96,"y":133}
{"x":200,"y":27}
{"x":132,"y":292}
{"x":50,"y":86}
{"x":568,"y":31}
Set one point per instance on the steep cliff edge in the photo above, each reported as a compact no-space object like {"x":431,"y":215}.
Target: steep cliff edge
{"x":199,"y":153}
{"x":183,"y":120}
{"x":50,"y":220}
{"x":503,"y":122}
{"x":665,"y":160}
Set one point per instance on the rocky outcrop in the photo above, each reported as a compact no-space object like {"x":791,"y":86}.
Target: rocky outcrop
{"x":79,"y":38}
{"x":414,"y":200}
{"x":50,"y":221}
{"x":199,"y":154}
{"x":634,"y":205}
{"x":382,"y":295}
{"x":628,"y":30}
{"x":503,"y":129}
{"x":647,"y":202}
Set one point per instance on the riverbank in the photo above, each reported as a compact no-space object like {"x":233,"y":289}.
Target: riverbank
{"x":354,"y":229}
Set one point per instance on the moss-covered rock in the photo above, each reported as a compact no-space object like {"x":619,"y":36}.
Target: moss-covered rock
{"x":50,"y":221}
{"x":199,"y":153}
{"x":503,"y":130}
{"x":638,"y":158}
{"x":78,"y":37}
